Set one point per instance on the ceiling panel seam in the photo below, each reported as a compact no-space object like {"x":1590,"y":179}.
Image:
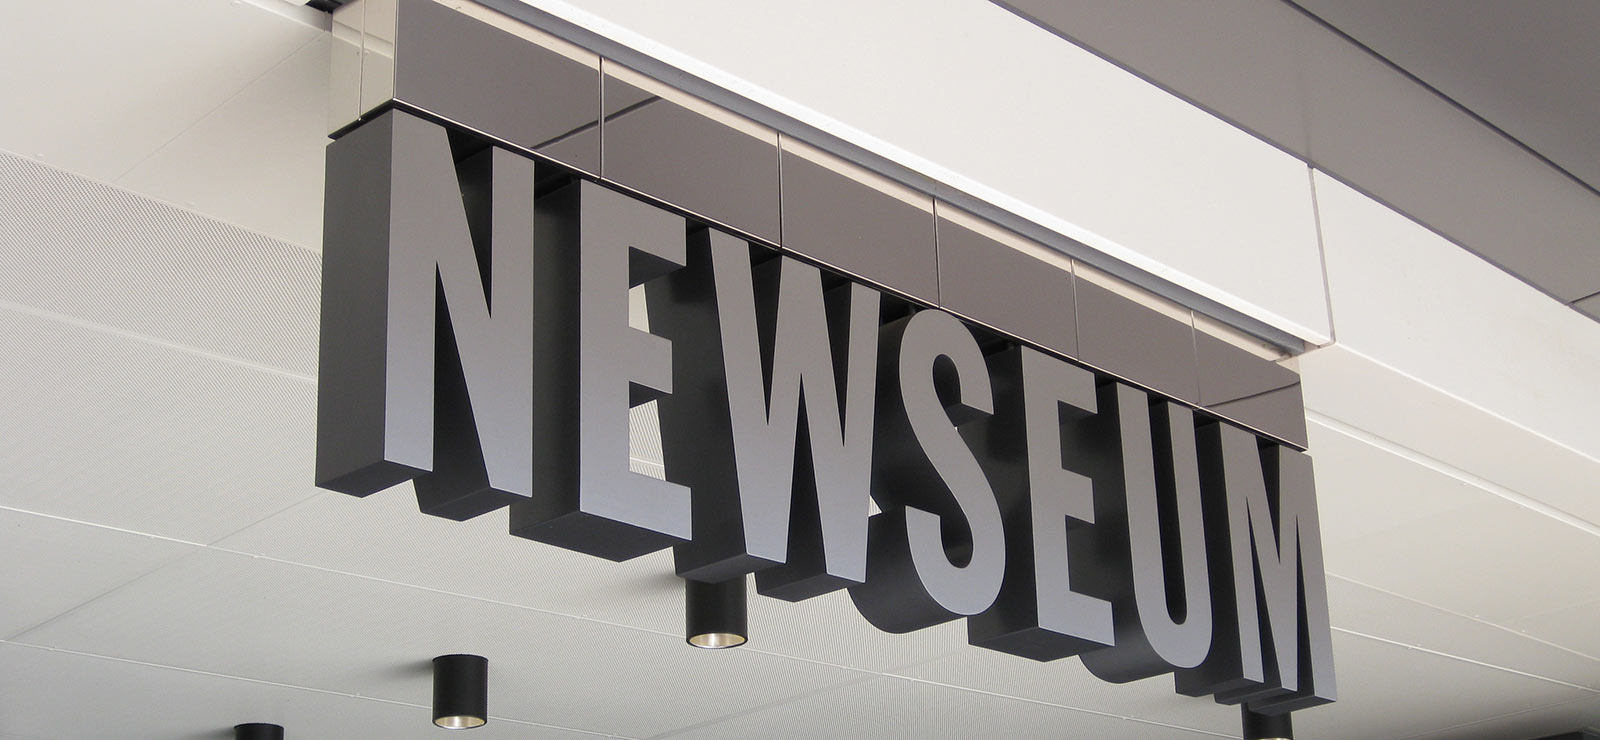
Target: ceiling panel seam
{"x":314,"y":495}
{"x":1440,"y":466}
{"x":35,"y":161}
{"x":1485,"y":622}
{"x":96,"y":326}
{"x":1487,"y":720}
{"x":1042,"y":703}
{"x":17,"y":637}
{"x":1322,"y":256}
{"x":1468,"y":403}
{"x":1442,"y":654}
{"x":762,"y":707}
{"x":102,"y":526}
{"x":213,"y":110}
{"x":1560,"y":609}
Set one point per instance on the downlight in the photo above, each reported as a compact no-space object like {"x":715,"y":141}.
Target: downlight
{"x":714,"y":614}
{"x":257,"y":731}
{"x":460,"y":691}
{"x":1259,"y":726}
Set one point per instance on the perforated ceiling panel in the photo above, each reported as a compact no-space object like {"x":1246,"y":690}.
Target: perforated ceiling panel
{"x":97,"y":253}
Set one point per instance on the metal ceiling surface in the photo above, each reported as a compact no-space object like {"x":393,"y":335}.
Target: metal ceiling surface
{"x":167,"y":569}
{"x":1358,"y":111}
{"x":1529,"y":68}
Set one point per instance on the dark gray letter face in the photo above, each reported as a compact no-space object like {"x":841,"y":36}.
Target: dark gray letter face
{"x":1279,"y":547}
{"x":763,"y":349}
{"x":1038,"y":615}
{"x":1158,"y":507}
{"x":404,"y":297}
{"x":593,"y":245}
{"x":932,"y":378}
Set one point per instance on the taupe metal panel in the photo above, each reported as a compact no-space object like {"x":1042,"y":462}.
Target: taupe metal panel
{"x":1281,"y":413}
{"x":857,"y":228}
{"x":1141,"y":344}
{"x":1228,"y":373}
{"x":539,"y":99}
{"x":1005,"y":288}
{"x":1250,"y":389}
{"x":1590,"y":305}
{"x":694,"y":162}
{"x":620,"y":96}
{"x":1517,"y":65}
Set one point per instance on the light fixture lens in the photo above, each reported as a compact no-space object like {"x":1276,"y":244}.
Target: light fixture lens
{"x":715,"y":614}
{"x":459,"y":722}
{"x":460,"y":691}
{"x":715,"y":640}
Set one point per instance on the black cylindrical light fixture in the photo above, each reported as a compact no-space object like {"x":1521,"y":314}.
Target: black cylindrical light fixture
{"x":714,"y":614}
{"x":1259,"y":726}
{"x":460,"y":691}
{"x":257,"y":731}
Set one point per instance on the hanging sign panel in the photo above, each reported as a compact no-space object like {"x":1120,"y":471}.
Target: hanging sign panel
{"x":477,"y":342}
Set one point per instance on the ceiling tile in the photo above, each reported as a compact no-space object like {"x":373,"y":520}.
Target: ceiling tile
{"x":1492,"y":560}
{"x":256,"y":160}
{"x":385,"y":536}
{"x":902,"y":708}
{"x":1576,"y":628}
{"x":1363,"y":489}
{"x":1388,"y":691}
{"x":257,"y":618}
{"x":1412,"y":300}
{"x":828,"y":628}
{"x":1368,"y":611}
{"x":146,"y":267}
{"x":1359,"y":392}
{"x":1067,"y":683}
{"x":152,"y":701}
{"x":126,"y":78}
{"x":1540,"y":722}
{"x":133,"y":435}
{"x":48,"y":566}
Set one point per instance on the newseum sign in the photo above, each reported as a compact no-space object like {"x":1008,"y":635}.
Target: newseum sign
{"x":477,"y":341}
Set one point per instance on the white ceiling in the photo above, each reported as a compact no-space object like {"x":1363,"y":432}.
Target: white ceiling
{"x":167,"y":569}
